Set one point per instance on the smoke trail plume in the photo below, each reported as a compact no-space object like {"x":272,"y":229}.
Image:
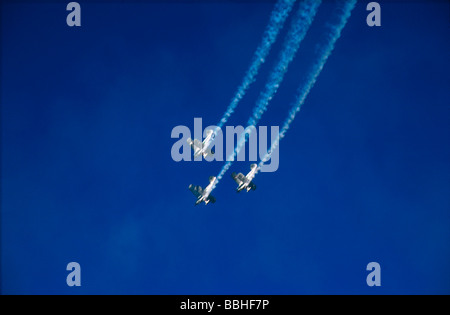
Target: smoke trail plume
{"x":324,"y":52}
{"x":299,"y":27}
{"x":276,"y":22}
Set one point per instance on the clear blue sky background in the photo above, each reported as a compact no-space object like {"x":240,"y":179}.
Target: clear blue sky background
{"x":87,"y":174}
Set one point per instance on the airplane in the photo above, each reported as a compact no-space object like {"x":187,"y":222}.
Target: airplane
{"x":202,"y":148}
{"x":204,"y":195}
{"x":245,"y":182}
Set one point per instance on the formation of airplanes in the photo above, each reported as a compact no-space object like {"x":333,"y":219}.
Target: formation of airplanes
{"x":204,"y":195}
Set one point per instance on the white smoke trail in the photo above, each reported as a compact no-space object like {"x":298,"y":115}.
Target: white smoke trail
{"x":299,"y":27}
{"x":325,"y":51}
{"x":276,"y":22}
{"x":302,"y":21}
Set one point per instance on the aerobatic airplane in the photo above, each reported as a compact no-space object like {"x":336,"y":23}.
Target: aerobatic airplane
{"x":245,"y":182}
{"x":204,"y":195}
{"x":202,"y":148}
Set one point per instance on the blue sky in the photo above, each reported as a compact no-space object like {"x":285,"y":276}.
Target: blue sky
{"x":87,"y":174}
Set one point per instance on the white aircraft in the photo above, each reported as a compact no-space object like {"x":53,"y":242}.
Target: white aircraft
{"x":202,"y":148}
{"x":204,"y":195}
{"x":245,"y":182}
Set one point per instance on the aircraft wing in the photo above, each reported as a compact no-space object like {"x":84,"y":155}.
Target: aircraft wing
{"x":208,"y":152}
{"x":197,"y":144}
{"x":238,"y":178}
{"x":252,"y":186}
{"x":196,"y":190}
{"x":211,"y":199}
